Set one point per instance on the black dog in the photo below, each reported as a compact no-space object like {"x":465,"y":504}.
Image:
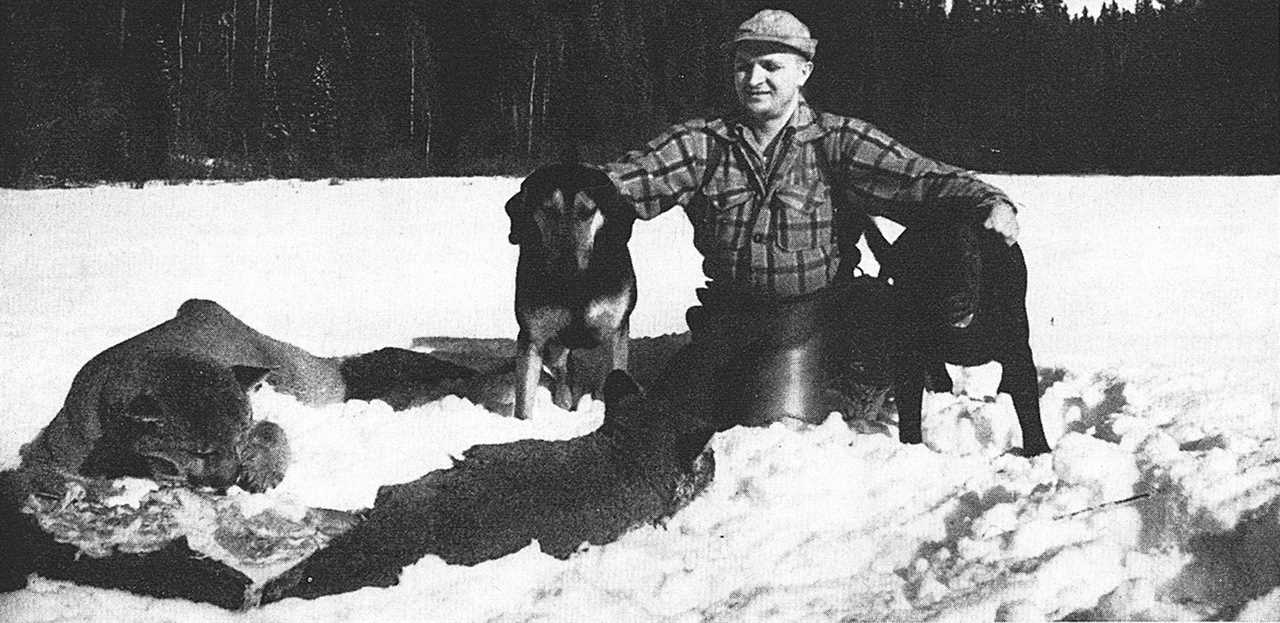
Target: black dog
{"x":575,"y":284}
{"x":963,"y":295}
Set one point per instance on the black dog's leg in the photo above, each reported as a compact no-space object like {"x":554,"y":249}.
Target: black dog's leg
{"x":908,"y":393}
{"x":938,"y":380}
{"x":1019,"y":380}
{"x":919,"y":258}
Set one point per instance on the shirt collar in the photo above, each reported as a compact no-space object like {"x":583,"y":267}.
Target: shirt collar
{"x":804,"y":121}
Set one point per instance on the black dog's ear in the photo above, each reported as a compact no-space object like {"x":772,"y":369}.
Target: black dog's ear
{"x":521,"y":220}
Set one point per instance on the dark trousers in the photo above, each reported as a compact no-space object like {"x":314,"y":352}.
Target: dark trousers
{"x":762,"y":360}
{"x":757,"y":360}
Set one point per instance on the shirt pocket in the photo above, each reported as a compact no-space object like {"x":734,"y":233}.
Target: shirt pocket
{"x":802,"y":217}
{"x":726,"y":222}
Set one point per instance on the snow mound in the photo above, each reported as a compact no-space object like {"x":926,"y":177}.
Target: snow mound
{"x":344,"y":452}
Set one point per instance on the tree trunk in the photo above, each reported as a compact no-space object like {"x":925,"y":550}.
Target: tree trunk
{"x":533,"y":81}
{"x":257,"y":30}
{"x":182,"y":25}
{"x":266,"y":65}
{"x":545,"y":90}
{"x":426,"y":131}
{"x":413,"y":91}
{"x":231,"y":50}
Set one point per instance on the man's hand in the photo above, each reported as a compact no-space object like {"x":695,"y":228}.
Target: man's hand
{"x":1004,"y":221}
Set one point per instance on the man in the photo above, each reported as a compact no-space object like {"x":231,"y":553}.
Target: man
{"x":768,"y":192}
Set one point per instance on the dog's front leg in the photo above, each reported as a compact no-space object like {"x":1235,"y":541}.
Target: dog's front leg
{"x":1020,"y":381}
{"x":620,"y":346}
{"x":562,"y":377}
{"x":908,"y":390}
{"x":528,"y":372}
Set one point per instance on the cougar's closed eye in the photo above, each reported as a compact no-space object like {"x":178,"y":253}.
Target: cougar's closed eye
{"x":144,"y":409}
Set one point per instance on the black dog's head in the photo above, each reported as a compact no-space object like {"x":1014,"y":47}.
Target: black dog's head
{"x":565,"y":211}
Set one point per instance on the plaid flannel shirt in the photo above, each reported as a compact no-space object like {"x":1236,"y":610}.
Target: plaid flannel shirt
{"x":773,"y":232}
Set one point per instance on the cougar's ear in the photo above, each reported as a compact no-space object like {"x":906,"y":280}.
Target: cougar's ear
{"x":144,"y":408}
{"x":250,"y":376}
{"x":521,"y":220}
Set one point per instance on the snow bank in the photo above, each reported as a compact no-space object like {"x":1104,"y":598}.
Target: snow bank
{"x":1153,"y":303}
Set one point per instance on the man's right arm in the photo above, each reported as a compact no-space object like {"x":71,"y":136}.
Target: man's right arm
{"x":663,"y":174}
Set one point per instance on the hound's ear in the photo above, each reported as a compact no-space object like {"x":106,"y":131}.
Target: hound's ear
{"x":519,"y":217}
{"x":592,"y":176}
{"x":620,"y":215}
{"x":250,"y":376}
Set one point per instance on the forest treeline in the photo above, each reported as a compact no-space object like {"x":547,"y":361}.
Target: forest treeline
{"x":236,"y":89}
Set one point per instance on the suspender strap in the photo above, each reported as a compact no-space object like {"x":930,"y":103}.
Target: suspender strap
{"x":714,"y":155}
{"x":827,"y":172}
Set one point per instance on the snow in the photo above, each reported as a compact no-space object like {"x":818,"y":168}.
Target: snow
{"x":1154,"y":299}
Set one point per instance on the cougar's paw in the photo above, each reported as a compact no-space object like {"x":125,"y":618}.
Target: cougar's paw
{"x":264,"y":458}
{"x":701,"y":473}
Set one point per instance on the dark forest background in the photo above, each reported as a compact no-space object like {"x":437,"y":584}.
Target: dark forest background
{"x":177,"y":89}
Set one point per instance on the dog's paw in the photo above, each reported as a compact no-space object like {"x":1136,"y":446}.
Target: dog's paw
{"x":264,"y":458}
{"x":562,"y":396}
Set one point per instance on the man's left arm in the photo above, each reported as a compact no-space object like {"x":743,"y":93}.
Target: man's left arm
{"x":910,"y":188}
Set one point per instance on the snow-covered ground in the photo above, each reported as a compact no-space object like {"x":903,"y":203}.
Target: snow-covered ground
{"x":1155,"y":298}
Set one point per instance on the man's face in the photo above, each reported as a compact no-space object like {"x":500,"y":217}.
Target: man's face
{"x":767,"y":78}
